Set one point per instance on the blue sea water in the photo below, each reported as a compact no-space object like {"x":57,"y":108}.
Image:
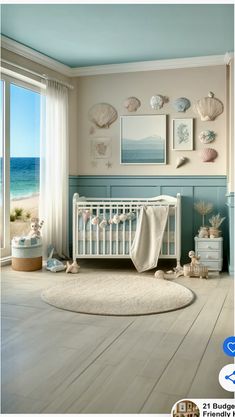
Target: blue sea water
{"x":24,"y":177}
{"x":140,"y":156}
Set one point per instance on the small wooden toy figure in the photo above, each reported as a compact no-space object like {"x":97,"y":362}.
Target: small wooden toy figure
{"x":35,"y":227}
{"x":194,"y":258}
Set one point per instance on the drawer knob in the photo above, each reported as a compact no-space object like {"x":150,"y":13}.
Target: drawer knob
{"x":208,"y":247}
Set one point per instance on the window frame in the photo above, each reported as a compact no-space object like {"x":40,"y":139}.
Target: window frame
{"x":8,"y":80}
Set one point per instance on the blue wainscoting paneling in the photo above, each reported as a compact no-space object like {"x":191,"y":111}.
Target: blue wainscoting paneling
{"x":231,"y":203}
{"x":192,"y":188}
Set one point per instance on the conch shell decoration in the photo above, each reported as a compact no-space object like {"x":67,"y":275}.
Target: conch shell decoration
{"x":181,"y":160}
{"x":209,"y":107}
{"x":132,"y":104}
{"x":209,"y":155}
{"x":102,"y":115}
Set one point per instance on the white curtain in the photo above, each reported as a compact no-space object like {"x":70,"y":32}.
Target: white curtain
{"x":53,"y":207}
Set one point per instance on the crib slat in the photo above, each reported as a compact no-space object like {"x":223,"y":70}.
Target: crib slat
{"x":84,"y":238}
{"x":76,"y":237}
{"x":117,"y":230}
{"x":130,"y":228}
{"x":97,"y":233}
{"x":90,"y":228}
{"x":168,"y":236}
{"x":123,"y":231}
{"x":104,"y":231}
{"x":110,"y":230}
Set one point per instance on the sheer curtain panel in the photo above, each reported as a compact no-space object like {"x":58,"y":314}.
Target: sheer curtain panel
{"x":54,"y":167}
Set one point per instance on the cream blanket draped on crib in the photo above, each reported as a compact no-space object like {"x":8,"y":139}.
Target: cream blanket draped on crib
{"x":148,"y":238}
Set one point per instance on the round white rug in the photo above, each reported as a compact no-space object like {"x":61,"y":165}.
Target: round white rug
{"x":116,"y":294}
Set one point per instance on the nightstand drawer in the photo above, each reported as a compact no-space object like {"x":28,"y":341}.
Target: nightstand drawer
{"x":210,"y":256}
{"x":208,"y":245}
{"x":212,"y":265}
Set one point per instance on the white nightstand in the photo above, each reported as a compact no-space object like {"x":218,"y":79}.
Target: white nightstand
{"x":210,"y":251}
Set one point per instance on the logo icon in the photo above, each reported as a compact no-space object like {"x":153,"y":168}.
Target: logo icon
{"x":185,"y":408}
{"x":227,"y":377}
{"x":229,"y":346}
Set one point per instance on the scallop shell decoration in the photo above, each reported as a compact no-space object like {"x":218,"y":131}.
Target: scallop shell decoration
{"x":207,"y":136}
{"x":209,"y":155}
{"x":102,"y":115}
{"x":181,"y":104}
{"x":209,"y":107}
{"x":132,"y":104}
{"x":157,"y":102}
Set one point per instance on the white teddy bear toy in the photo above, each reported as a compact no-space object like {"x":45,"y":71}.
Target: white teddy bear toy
{"x":35,"y":228}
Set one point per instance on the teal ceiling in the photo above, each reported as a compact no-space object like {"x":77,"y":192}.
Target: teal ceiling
{"x":94,"y":34}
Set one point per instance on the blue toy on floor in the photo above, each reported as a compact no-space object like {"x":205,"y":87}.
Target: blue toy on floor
{"x":53,"y":264}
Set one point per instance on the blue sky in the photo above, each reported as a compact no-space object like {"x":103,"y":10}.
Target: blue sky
{"x":25,"y":122}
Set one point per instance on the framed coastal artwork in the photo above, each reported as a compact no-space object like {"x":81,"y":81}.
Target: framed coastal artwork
{"x":101,"y":148}
{"x":182,"y":134}
{"x":143,"y":139}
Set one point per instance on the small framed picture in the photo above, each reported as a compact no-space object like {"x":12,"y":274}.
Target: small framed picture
{"x":101,"y":148}
{"x":182,"y":407}
{"x":182,"y":134}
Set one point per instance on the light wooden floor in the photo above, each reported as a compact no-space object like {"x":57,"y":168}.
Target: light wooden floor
{"x":55,"y":361}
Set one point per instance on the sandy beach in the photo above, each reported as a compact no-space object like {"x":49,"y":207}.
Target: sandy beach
{"x":21,"y":227}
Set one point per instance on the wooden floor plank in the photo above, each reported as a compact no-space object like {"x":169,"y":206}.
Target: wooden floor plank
{"x":206,"y":378}
{"x":180,"y":372}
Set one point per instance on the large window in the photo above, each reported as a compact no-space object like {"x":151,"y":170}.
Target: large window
{"x":20,"y":162}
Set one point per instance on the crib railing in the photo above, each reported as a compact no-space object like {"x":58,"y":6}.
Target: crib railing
{"x":114,"y":240}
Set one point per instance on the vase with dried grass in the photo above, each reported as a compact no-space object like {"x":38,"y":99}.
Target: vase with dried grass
{"x":203,"y":208}
{"x":215,"y":222}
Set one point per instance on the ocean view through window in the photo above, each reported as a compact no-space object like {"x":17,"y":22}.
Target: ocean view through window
{"x":24,"y":158}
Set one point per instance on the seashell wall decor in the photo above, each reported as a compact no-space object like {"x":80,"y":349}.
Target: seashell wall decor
{"x":132,"y":104}
{"x":181,"y":160}
{"x":209,"y":155}
{"x":209,"y":107}
{"x":102,"y":115}
{"x":157,"y":102}
{"x":181,"y":104}
{"x":207,"y":136}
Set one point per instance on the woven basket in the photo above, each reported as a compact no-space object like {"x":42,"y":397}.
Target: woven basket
{"x":195,"y":271}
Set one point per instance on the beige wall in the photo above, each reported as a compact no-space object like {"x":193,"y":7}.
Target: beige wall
{"x":193,"y":83}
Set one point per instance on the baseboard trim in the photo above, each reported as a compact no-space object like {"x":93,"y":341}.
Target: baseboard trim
{"x":5,"y":261}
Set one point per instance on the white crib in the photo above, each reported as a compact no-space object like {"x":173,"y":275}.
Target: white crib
{"x":105,"y":227}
